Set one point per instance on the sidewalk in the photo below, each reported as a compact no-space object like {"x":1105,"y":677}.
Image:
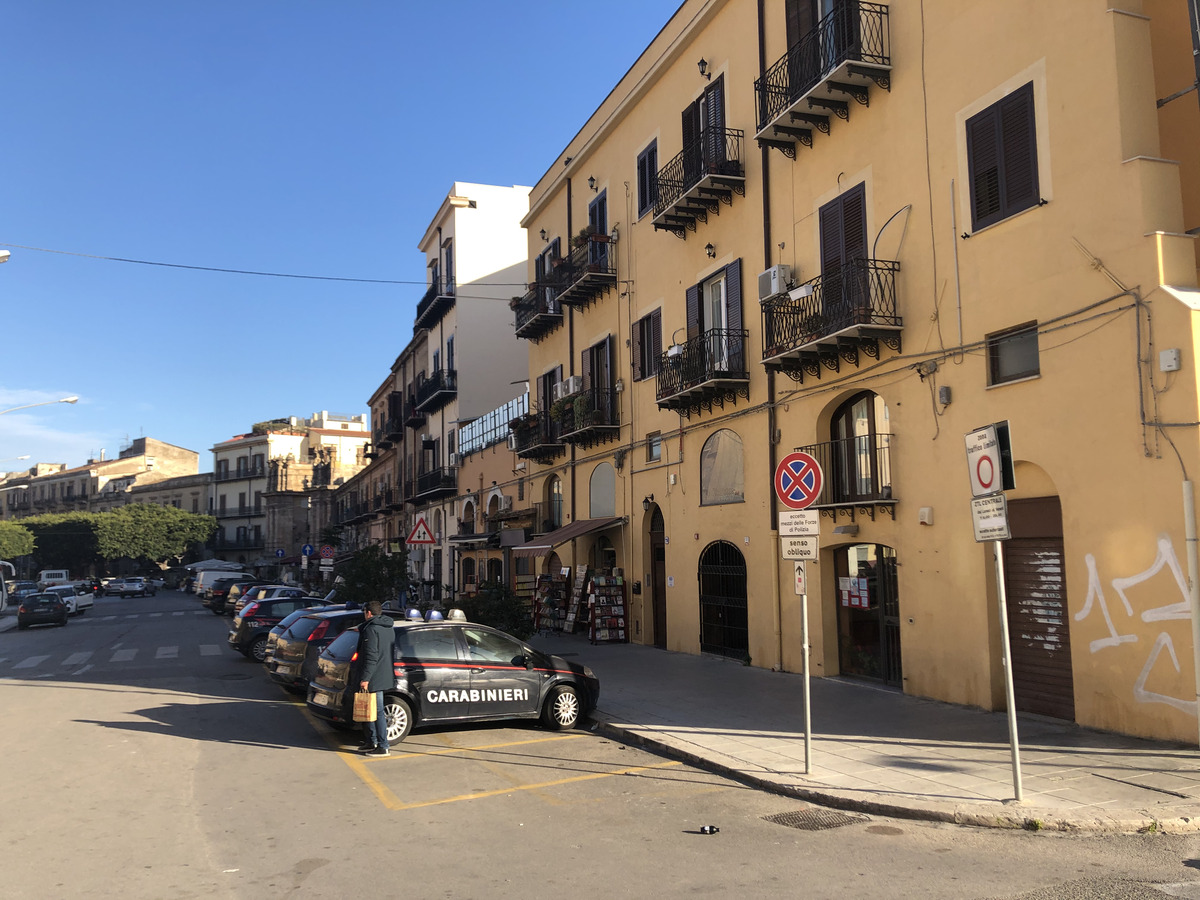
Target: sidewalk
{"x":879,"y":751}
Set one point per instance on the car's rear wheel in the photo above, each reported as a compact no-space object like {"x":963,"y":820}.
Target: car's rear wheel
{"x":561,"y":712}
{"x":258,"y":650}
{"x":398,"y":715}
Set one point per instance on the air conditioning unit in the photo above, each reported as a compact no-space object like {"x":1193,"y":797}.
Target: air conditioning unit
{"x":454,"y":460}
{"x":774,"y":281}
{"x":506,"y":503}
{"x":568,"y":387}
{"x":512,"y":443}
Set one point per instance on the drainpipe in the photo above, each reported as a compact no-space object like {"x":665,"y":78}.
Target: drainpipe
{"x":776,"y":597}
{"x":571,"y":365}
{"x":1193,"y":564}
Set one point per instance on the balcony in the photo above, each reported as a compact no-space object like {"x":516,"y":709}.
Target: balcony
{"x":538,"y":312}
{"x":371,"y":451}
{"x":413,"y":417}
{"x":710,"y":368}
{"x":592,"y":418}
{"x":836,"y":317}
{"x":237,"y":512}
{"x":438,"y":301}
{"x":536,"y":437}
{"x":249,"y":542}
{"x":857,"y":476}
{"x":589,"y":271}
{"x":252,"y":472}
{"x":704,"y":174}
{"x":437,"y":483}
{"x":381,"y":440}
{"x":820,"y":73}
{"x":437,"y":390}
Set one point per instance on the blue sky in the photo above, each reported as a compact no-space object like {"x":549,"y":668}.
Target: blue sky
{"x":270,"y":135}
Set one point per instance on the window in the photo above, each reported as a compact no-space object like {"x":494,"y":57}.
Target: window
{"x":554,"y":501}
{"x":598,"y":224}
{"x":647,"y":175}
{"x":722,"y":479}
{"x":647,"y":345}
{"x":654,"y":446}
{"x":487,"y":646}
{"x":716,"y":303}
{"x":450,"y":353}
{"x":468,"y":570}
{"x":1002,"y":158}
{"x":1013,"y":354}
{"x":602,"y":491}
{"x":861,"y":452}
{"x":259,"y":463}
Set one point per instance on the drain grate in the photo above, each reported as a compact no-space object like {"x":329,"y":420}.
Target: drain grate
{"x":815,"y":819}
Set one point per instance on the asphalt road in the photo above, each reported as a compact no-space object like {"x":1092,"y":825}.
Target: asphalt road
{"x":144,"y":759}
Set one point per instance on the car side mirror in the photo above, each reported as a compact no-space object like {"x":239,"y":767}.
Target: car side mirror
{"x":522,"y":660}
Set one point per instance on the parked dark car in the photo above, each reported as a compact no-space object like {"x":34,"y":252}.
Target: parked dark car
{"x":134,"y":586}
{"x":238,"y":590}
{"x":456,"y":671}
{"x":263,"y":592}
{"x":294,"y":661}
{"x":287,"y":622}
{"x":248,"y":636}
{"x":216,"y":595}
{"x":42,"y":609}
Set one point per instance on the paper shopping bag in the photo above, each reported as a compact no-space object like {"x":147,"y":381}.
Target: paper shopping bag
{"x":364,"y":706}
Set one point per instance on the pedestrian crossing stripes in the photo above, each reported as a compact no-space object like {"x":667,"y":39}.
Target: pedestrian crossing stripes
{"x":93,"y":658}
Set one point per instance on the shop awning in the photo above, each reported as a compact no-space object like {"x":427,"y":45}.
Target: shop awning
{"x":475,"y":541}
{"x":540,"y":546}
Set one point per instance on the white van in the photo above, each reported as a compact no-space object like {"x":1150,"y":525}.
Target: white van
{"x":51,"y":577}
{"x":206,"y":577}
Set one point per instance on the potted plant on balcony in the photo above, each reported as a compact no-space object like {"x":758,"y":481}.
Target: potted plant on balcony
{"x":585,"y":411}
{"x":561,"y":412}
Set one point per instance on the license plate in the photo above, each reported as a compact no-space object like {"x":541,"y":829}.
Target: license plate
{"x":321,"y":699}
{"x":284,"y":670}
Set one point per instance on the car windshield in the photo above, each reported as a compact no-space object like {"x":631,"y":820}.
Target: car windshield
{"x":343,"y":646}
{"x":302,"y":627}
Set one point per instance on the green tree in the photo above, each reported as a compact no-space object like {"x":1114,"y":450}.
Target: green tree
{"x":15,"y":540}
{"x":496,"y":604}
{"x":150,"y":533}
{"x":65,"y":541}
{"x":374,"y":575}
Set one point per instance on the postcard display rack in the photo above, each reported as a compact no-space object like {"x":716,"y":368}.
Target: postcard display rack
{"x":607,"y":604}
{"x":577,"y":597}
{"x":549,"y":597}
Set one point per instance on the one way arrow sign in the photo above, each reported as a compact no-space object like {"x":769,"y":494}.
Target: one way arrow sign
{"x":421,"y":534}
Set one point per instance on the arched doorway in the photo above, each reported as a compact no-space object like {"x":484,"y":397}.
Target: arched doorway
{"x":724,"y":625}
{"x":868,"y":613}
{"x":658,"y":576}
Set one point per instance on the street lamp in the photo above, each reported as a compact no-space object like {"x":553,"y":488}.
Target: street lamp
{"x":43,"y":403}
{"x":4,"y":255}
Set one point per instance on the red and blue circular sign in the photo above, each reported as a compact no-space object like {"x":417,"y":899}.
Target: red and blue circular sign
{"x":798,"y":480}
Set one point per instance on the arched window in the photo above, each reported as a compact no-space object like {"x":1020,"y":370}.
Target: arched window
{"x":495,"y":570}
{"x":722,"y":479}
{"x":467,"y":524}
{"x":468,"y":570}
{"x":861,"y":457}
{"x":554,"y":502}
{"x":603,"y":491}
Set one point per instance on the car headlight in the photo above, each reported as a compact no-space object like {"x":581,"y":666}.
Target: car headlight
{"x":588,"y":673}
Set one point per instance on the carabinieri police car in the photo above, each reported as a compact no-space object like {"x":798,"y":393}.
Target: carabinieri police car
{"x":457,"y":671}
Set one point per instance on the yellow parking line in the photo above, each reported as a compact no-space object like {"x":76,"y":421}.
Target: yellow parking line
{"x":391,"y":801}
{"x":418,"y":753}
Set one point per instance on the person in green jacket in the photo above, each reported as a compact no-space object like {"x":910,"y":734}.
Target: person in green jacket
{"x":378,"y":673}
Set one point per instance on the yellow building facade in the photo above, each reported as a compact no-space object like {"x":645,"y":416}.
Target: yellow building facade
{"x":863,"y":231}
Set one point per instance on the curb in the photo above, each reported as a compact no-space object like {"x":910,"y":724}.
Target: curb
{"x":1016,"y":817}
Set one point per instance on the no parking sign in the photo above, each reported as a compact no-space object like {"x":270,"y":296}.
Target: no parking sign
{"x":798,"y":480}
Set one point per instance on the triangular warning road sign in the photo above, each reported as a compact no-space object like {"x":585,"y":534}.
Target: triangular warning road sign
{"x":421,"y":534}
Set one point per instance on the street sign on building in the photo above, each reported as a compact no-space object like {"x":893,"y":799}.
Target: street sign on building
{"x":804,"y":547}
{"x":989,"y":460}
{"x":421,"y":533}
{"x":798,"y":480}
{"x":989,"y":515}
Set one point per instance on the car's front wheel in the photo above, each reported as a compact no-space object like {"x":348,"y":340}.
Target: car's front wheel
{"x":561,"y":712}
{"x":258,"y":650}
{"x":398,"y":715}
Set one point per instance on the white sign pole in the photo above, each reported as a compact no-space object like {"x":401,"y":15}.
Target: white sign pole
{"x":807,"y":698}
{"x":1006,"y":660}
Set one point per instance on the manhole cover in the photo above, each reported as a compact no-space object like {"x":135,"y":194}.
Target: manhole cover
{"x":815,"y":819}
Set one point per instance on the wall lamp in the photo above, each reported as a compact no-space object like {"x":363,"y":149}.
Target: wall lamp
{"x":648,"y":502}
{"x":592,"y":183}
{"x":710,"y":251}
{"x":703,"y":67}
{"x":543,"y":234}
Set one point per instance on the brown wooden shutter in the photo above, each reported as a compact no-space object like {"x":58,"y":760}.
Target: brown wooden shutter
{"x":733,"y":295}
{"x":636,"y":346}
{"x":655,"y":341}
{"x":830,"y":220}
{"x":854,"y":223}
{"x":585,"y":368}
{"x":714,"y":102}
{"x":693,"y":311}
{"x":1019,"y":150}
{"x":983,"y":168}
{"x":801,"y":19}
{"x":691,"y":123}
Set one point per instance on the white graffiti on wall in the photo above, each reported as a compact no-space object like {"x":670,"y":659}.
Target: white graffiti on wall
{"x":1165,"y":557}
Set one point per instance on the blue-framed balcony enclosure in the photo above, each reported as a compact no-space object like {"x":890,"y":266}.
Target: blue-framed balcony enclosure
{"x":538,"y":312}
{"x":587,"y":272}
{"x":709,"y":368}
{"x":536,"y":436}
{"x":827,"y":68}
{"x":437,"y":483}
{"x":593,"y":417}
{"x":697,"y":180}
{"x":856,"y":475}
{"x":438,"y":300}
{"x":837,"y":317}
{"x":437,"y":390}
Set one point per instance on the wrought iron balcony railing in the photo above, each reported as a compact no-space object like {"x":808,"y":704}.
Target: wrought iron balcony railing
{"x":848,"y":48}
{"x":593,"y":416}
{"x":437,"y":483}
{"x":436,"y":303}
{"x":251,"y":472}
{"x":537,"y":313}
{"x":413,"y":417}
{"x":589,"y":270}
{"x":437,"y":390}
{"x":705,"y":364}
{"x":858,"y":297}
{"x":248,"y":542}
{"x":704,"y":174}
{"x":856,"y":470}
{"x":240,"y":511}
{"x":536,"y":436}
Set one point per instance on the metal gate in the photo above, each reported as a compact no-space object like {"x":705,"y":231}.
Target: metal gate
{"x":724,"y":628}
